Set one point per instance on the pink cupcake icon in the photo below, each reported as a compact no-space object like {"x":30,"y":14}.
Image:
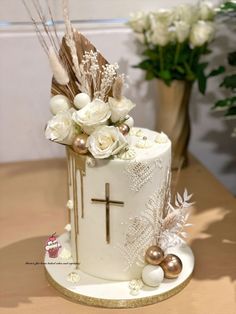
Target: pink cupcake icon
{"x":52,"y":246}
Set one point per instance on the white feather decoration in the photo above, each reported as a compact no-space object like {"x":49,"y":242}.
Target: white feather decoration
{"x":59,"y":72}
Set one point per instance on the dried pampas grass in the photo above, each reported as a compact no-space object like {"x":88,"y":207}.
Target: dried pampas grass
{"x":69,"y":37}
{"x":59,"y":72}
{"x":117,"y":89}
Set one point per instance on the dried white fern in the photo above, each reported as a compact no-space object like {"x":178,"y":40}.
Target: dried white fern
{"x":155,"y":227}
{"x":172,"y":226}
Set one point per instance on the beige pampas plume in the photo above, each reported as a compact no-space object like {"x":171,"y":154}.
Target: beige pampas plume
{"x":69,"y":36}
{"x":59,"y":72}
{"x":118,"y":87}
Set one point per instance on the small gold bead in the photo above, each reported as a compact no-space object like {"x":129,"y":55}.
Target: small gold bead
{"x":79,"y":144}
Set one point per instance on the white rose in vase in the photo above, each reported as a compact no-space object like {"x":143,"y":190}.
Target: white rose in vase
{"x":120,"y":108}
{"x":164,"y":16}
{"x":182,"y":30}
{"x":92,"y":115}
{"x":206,"y":10}
{"x":61,"y":128}
{"x":139,"y":22}
{"x":202,"y":32}
{"x":106,"y":141}
{"x":158,"y":33}
{"x":186,"y":13}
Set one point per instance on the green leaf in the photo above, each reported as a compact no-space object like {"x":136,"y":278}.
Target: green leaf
{"x":179,"y":69}
{"x":229,"y":81}
{"x":231,"y":111}
{"x":217,"y":71}
{"x":165,"y":76}
{"x":152,"y":54}
{"x":201,"y":77}
{"x":221,"y":103}
{"x":144,"y":65}
{"x":227,"y":102}
{"x":228,"y":6}
{"x":149,"y":75}
{"x":232,"y":58}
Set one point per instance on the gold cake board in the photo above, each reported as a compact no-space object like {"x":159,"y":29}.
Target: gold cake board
{"x":98,"y":292}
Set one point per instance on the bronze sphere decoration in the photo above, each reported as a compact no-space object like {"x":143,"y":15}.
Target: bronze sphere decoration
{"x":172,"y":266}
{"x":154,"y":255}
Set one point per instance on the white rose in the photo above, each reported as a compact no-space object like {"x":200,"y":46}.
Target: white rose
{"x":106,"y":141}
{"x":182,"y":30}
{"x":206,"y":10}
{"x":120,"y":108}
{"x":186,"y":13}
{"x":92,"y":115}
{"x":139,"y":22}
{"x":164,"y":16}
{"x":201,"y":33}
{"x":160,"y":37}
{"x":61,"y":128}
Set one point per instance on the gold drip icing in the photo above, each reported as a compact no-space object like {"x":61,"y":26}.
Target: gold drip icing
{"x":80,"y":164}
{"x":76,"y":162}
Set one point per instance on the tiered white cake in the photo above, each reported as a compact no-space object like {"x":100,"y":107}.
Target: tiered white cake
{"x":131,"y":179}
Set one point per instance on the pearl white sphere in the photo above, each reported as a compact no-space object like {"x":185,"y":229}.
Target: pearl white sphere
{"x":81,"y":100}
{"x":129,"y":121}
{"x":59,"y":103}
{"x":152,"y":275}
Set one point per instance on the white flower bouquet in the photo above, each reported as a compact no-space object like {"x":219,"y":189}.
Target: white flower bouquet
{"x":174,"y":41}
{"x":90,"y":113}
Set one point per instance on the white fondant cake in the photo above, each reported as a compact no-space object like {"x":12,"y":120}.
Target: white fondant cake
{"x":133,"y":177}
{"x":121,"y":223}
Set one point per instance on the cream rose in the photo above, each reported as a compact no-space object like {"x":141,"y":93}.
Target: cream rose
{"x":201,"y":33}
{"x":139,"y":22}
{"x":120,"y":108}
{"x":92,"y":115}
{"x":106,"y":141}
{"x":61,"y":128}
{"x":164,"y":16}
{"x":187,"y":13}
{"x":182,"y":31}
{"x":159,"y":34}
{"x":206,"y":10}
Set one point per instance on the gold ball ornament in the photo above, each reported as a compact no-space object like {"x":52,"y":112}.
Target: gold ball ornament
{"x":172,"y":266}
{"x":124,"y":129}
{"x":154,"y":255}
{"x":79,"y":144}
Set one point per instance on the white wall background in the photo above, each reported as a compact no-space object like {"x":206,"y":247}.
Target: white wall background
{"x":25,"y":84}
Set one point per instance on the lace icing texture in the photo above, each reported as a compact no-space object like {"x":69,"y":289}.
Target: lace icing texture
{"x":139,"y":173}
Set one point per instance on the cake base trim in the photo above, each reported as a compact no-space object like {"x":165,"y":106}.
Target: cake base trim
{"x":98,"y":292}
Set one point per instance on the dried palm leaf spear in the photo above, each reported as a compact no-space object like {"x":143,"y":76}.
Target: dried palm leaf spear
{"x":73,"y":72}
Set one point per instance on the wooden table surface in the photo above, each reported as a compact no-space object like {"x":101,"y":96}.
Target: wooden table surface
{"x":32,"y":207}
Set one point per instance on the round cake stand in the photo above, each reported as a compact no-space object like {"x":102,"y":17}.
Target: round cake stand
{"x":98,"y":292}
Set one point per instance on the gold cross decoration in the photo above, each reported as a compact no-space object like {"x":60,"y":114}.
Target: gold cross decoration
{"x":107,"y":202}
